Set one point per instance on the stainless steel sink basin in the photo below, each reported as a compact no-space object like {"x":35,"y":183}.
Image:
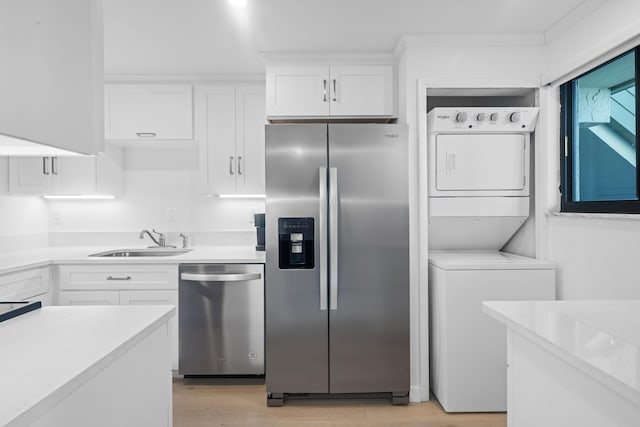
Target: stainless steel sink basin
{"x":148,"y":252}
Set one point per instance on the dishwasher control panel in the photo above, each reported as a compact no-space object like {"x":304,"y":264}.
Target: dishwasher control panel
{"x":295,"y":243}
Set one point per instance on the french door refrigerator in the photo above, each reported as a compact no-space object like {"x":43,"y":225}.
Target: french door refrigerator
{"x":337,"y":260}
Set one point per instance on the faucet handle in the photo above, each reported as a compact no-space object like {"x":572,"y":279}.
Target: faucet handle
{"x":161,"y":237}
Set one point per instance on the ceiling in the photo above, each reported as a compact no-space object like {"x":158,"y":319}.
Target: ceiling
{"x":173,"y":37}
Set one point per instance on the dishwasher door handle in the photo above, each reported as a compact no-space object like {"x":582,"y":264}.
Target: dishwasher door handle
{"x":220,"y":277}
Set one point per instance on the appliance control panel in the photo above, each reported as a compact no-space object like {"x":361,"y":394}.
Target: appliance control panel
{"x":482,"y":119}
{"x":295,"y":243}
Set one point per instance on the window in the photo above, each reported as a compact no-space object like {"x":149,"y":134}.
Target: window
{"x":599,"y":130}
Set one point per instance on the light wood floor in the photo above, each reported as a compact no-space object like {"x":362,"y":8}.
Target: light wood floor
{"x":241,"y":402}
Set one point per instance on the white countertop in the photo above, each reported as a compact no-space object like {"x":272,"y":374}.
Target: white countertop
{"x":49,"y":352}
{"x":600,"y":338}
{"x":15,"y":261}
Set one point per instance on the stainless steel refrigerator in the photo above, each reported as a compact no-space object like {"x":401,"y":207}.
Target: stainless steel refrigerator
{"x":337,"y":260}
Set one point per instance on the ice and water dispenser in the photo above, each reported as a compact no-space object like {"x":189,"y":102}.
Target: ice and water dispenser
{"x":295,"y":243}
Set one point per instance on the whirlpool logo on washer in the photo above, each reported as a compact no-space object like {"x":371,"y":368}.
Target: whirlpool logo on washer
{"x":443,"y":116}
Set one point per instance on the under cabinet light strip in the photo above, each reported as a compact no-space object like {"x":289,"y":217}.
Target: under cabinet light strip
{"x":239,"y":196}
{"x":78,"y":197}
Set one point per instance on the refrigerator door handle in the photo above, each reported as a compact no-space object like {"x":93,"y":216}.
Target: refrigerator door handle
{"x":333,"y":237}
{"x":322,"y":175}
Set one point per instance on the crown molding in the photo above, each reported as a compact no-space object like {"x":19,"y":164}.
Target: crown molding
{"x":572,"y":18}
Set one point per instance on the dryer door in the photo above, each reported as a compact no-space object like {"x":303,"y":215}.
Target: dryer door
{"x":482,"y":165}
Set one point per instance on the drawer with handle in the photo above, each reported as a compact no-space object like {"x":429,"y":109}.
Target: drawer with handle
{"x":118,"y":276}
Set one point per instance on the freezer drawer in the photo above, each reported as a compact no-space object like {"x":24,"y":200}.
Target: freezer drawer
{"x":221,"y":319}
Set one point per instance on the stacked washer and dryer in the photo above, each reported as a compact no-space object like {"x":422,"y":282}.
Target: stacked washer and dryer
{"x":479,"y":178}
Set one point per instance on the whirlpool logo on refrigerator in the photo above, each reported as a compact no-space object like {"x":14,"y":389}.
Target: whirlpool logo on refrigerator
{"x":392,"y":135}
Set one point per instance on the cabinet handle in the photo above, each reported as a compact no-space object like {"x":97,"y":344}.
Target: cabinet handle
{"x":324,"y":90}
{"x":146,"y":134}
{"x":45,"y":165}
{"x":239,"y":164}
{"x":334,"y":91}
{"x":119,"y":278}
{"x":230,"y":165}
{"x":54,"y":165}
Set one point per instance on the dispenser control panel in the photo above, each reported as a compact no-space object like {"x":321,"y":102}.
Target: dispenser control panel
{"x":295,"y":243}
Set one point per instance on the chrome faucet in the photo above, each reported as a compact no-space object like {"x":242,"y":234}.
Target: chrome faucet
{"x":161,"y":238}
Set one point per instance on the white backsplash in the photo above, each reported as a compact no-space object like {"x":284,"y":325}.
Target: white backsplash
{"x":130,"y":239}
{"x":23,"y":223}
{"x":160,"y":192}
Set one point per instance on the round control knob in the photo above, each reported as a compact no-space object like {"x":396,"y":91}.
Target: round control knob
{"x":481,"y":116}
{"x":515,"y":117}
{"x":494,"y":117}
{"x":461,"y":117}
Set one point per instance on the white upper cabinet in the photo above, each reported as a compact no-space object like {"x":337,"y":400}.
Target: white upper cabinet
{"x":250,"y":139}
{"x":95,"y":175}
{"x":30,"y":175}
{"x":362,"y":90}
{"x":148,"y":111}
{"x":336,"y":91}
{"x":51,"y":81}
{"x":231,"y":120}
{"x":298,"y":91}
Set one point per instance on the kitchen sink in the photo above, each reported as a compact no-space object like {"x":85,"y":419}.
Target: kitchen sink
{"x":144,"y":252}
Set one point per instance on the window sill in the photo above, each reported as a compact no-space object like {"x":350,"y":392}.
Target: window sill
{"x":615,"y":216}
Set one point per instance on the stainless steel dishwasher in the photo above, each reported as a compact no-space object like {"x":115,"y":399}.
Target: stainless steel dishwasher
{"x":221,"y":319}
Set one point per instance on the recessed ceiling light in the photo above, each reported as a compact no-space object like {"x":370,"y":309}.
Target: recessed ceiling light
{"x":238,"y":3}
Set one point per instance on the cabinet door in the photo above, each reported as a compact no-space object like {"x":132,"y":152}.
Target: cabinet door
{"x":89,"y":298}
{"x":157,"y":298}
{"x":148,"y":112}
{"x":52,"y":175}
{"x":74,"y":175}
{"x":250,"y":122}
{"x":101,"y":174}
{"x":364,"y":90}
{"x":298,"y":90}
{"x":217,"y":136}
{"x":51,"y":80}
{"x":29,"y":175}
{"x":32,"y":284}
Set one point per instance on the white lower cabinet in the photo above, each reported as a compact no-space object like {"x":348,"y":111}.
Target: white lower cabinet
{"x":26,"y":285}
{"x":89,"y":298}
{"x":122,"y":284}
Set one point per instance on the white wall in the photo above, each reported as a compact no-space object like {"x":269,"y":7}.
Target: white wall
{"x":596,"y":257}
{"x":23,"y":220}
{"x":155,"y":180}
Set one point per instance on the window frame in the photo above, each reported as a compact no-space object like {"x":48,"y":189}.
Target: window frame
{"x":567,"y":204}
